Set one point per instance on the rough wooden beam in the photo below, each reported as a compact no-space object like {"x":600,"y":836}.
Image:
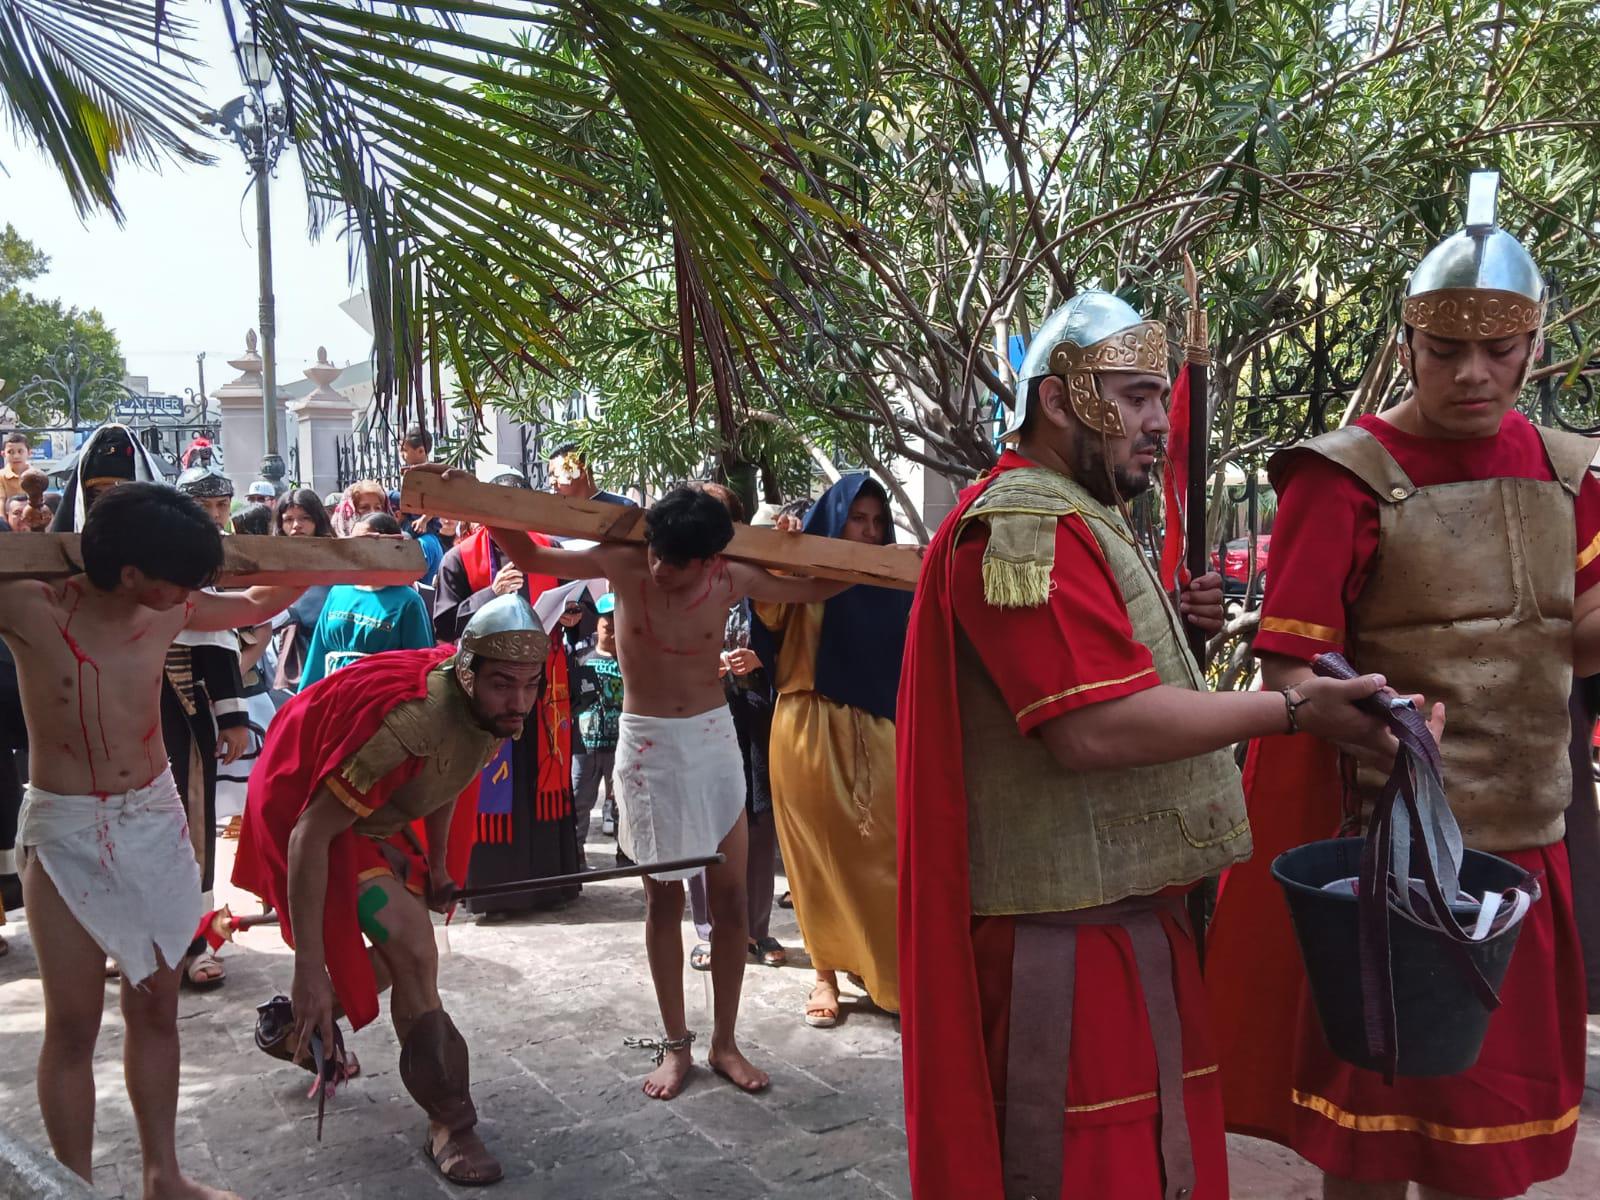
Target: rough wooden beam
{"x":283,"y":561}
{"x":516,"y":508}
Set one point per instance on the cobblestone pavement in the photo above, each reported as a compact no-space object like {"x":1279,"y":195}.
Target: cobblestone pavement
{"x":545,"y":1002}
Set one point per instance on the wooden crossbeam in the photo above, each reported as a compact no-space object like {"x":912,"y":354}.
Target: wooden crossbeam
{"x":466,"y":499}
{"x":247,"y":560}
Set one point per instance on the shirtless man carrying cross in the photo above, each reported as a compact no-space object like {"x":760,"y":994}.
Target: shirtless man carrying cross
{"x":680,"y":780}
{"x":109,"y":865}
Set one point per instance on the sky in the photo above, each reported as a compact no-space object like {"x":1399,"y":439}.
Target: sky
{"x":179,"y":276}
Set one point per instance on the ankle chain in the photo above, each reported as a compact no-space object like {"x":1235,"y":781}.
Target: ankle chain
{"x":661,"y":1046}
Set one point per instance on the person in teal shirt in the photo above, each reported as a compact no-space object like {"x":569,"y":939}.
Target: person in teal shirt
{"x":358,"y":621}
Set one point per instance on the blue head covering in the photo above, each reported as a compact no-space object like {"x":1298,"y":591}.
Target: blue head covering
{"x":864,"y":627}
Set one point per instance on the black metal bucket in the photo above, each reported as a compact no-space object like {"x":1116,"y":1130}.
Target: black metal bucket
{"x":1439,"y":1019}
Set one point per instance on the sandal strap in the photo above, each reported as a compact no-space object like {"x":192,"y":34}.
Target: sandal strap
{"x":661,"y":1046}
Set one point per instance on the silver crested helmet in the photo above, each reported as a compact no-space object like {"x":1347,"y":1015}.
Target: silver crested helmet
{"x":1480,"y":283}
{"x":1093,"y":333}
{"x":205,"y":483}
{"x":505,"y":629}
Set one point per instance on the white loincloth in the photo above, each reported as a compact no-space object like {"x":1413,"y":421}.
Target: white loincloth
{"x":124,"y":866}
{"x":680,"y":786}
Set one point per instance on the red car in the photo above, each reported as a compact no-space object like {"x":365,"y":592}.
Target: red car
{"x":1236,"y":569}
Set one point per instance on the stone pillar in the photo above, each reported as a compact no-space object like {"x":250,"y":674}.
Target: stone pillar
{"x":320,"y":418}
{"x":242,"y":437}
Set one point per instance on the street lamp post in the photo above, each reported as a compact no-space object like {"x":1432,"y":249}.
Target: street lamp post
{"x":260,"y":129}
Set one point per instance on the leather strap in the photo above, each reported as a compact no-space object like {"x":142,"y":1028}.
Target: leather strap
{"x":1379,"y":890}
{"x":1038,"y":1058}
{"x":1358,"y":452}
{"x":1570,"y":455}
{"x":1039,"y":1049}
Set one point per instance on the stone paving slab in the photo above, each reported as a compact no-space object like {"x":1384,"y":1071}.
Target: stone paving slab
{"x":545,"y":1002}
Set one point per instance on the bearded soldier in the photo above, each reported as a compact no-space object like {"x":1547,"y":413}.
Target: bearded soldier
{"x":1455,"y":547}
{"x":353,"y":826}
{"x":1053,"y":817}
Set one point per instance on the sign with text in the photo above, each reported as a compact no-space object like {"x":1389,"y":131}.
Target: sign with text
{"x":135,"y":406}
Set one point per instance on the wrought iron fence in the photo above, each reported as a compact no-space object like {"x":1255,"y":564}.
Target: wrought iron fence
{"x":367,"y":454}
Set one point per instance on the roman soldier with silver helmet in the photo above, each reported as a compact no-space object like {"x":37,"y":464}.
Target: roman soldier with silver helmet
{"x":212,"y":488}
{"x":360,"y":818}
{"x":1065,"y":775}
{"x":1453,"y":546}
{"x":1090,"y":334}
{"x":507,"y":630}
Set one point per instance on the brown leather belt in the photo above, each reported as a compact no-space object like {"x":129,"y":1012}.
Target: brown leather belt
{"x":1039,"y":1050}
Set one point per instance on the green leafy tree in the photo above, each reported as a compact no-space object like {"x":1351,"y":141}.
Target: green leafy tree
{"x":34,"y":332}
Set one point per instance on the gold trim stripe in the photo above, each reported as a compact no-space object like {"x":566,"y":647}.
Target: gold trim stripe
{"x":1197,"y":1073}
{"x":346,"y":797}
{"x":1590,"y":553}
{"x":1084,"y":687}
{"x":1484,"y":1135}
{"x":1305,"y":629}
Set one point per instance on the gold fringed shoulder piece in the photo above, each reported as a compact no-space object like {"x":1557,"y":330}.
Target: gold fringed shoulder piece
{"x":1019,"y":558}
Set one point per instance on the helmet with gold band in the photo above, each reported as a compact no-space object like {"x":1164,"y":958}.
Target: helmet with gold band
{"x":505,"y":629}
{"x":1479,"y":284}
{"x":1091,"y":334}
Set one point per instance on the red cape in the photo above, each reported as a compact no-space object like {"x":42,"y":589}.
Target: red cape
{"x":308,"y":739}
{"x":1253,"y":969}
{"x":950,"y":1121}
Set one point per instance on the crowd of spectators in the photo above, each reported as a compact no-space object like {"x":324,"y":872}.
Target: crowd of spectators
{"x":551,"y":792}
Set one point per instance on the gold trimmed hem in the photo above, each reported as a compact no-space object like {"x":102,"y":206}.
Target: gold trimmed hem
{"x":1304,"y":629}
{"x":1197,"y":1073}
{"x":346,"y":797}
{"x":1483,"y":1135}
{"x":1590,"y":553}
{"x":1083,"y":687}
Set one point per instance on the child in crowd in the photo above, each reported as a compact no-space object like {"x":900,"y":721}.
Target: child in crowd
{"x":597,"y":708}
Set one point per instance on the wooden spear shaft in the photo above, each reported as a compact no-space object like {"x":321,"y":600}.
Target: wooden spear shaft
{"x":1197,"y":356}
{"x":1197,"y":361}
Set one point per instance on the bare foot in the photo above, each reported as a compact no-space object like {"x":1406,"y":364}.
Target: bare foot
{"x":170,"y":1187}
{"x":461,"y":1157}
{"x":666,"y":1081}
{"x":736,"y":1069}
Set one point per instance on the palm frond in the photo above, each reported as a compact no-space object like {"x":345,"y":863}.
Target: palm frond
{"x":94,"y":83}
{"x":449,"y":135}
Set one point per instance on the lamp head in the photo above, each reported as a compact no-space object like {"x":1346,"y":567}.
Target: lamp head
{"x":255,"y":63}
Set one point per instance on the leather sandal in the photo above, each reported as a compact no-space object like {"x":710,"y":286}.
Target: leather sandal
{"x":824,"y":1013}
{"x":462,"y":1158}
{"x":768,"y":951}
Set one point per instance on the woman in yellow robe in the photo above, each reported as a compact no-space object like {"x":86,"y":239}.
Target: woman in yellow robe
{"x":831,"y":760}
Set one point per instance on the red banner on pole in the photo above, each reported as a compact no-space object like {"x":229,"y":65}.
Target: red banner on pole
{"x":1175,"y":486}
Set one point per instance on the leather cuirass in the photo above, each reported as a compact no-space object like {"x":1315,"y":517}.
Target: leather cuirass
{"x":1469,"y":602}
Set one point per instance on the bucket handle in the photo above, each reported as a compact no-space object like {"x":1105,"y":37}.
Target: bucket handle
{"x":1412,"y":799}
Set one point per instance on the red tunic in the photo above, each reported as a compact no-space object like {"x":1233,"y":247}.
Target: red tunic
{"x":1510,"y":1120}
{"x":1075,"y":650}
{"x":311,"y":738}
